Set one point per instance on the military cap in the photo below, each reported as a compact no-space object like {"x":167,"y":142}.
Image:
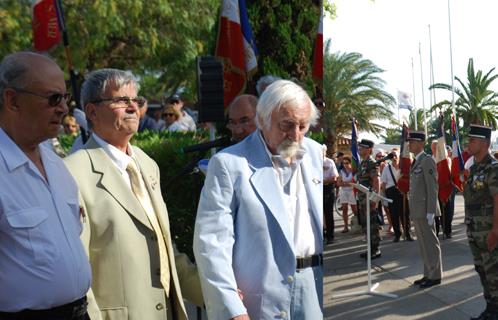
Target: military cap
{"x":365,"y":143}
{"x":478,"y":131}
{"x":416,"y":136}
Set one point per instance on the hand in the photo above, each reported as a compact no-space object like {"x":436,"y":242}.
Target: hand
{"x":430,"y":218}
{"x":241,"y":317}
{"x":241,"y":295}
{"x":492,"y":240}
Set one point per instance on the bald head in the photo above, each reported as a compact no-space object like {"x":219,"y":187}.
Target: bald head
{"x":241,"y":115}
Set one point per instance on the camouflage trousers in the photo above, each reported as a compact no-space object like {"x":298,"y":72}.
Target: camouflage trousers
{"x":486,"y":263}
{"x":374,"y":222}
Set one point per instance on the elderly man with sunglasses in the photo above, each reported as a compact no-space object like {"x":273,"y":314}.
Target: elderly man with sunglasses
{"x":137,"y":272}
{"x":44,"y":272}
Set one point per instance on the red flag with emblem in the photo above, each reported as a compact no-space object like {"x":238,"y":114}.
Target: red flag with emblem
{"x":318,"y":52}
{"x":46,"y":33}
{"x":404,"y":162}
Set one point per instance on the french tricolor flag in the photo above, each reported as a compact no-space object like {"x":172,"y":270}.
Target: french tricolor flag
{"x":457,"y":163}
{"x":236,"y":48}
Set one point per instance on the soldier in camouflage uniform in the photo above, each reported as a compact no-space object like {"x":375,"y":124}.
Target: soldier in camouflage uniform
{"x":368,"y":175}
{"x":481,"y":216}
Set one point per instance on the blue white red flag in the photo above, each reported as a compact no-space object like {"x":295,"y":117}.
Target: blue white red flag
{"x":235,"y":47}
{"x":457,"y":163}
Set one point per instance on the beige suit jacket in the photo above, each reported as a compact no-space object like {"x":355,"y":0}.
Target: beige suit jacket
{"x":122,"y":245}
{"x":423,"y":188}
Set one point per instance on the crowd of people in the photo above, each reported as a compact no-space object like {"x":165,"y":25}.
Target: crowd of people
{"x":92,"y":240}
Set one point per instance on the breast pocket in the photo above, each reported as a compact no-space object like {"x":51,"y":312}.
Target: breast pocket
{"x":31,"y":232}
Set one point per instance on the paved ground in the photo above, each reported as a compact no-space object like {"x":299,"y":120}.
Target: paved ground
{"x":458,"y":297}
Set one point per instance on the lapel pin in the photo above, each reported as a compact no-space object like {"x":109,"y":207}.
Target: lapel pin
{"x":316,"y":181}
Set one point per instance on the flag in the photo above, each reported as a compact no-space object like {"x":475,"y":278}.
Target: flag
{"x":236,"y":48}
{"x":405,"y":162}
{"x":457,"y":163}
{"x":317,"y":71}
{"x":354,"y":147}
{"x":46,"y":33}
{"x":405,"y":100}
{"x":443,"y":164}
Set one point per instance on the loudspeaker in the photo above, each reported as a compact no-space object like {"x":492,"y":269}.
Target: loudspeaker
{"x":210,"y":89}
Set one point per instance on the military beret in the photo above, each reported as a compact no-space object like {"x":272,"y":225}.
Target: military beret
{"x":365,"y":143}
{"x":416,"y":136}
{"x":478,"y":131}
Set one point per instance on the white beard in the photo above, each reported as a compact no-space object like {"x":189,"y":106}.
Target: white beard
{"x":288,"y":148}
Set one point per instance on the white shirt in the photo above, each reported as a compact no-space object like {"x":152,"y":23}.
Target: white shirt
{"x":329,"y":169}
{"x":42,"y":260}
{"x":118,"y":157}
{"x":186,"y":122}
{"x":290,"y":177}
{"x":386,"y":176}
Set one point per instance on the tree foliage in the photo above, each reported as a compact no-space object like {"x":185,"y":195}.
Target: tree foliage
{"x":352,"y":88}
{"x":475,"y":102}
{"x":285,"y":33}
{"x":154,"y":38}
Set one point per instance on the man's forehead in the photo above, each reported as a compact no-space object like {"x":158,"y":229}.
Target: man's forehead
{"x":241,"y":110}
{"x":113,"y":88}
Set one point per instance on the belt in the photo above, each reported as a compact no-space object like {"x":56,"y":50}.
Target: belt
{"x":75,"y":310}
{"x":310,"y":261}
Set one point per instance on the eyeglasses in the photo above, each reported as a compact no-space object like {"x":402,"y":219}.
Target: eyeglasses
{"x":242,"y":123}
{"x":53,"y":100}
{"x":168,"y":115}
{"x":140,"y":101}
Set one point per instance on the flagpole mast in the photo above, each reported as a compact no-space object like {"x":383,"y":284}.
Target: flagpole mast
{"x":414,"y":100}
{"x":451,"y":64}
{"x":433,"y":95}
{"x":422,"y":82}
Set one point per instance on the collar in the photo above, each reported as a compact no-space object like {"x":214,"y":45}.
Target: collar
{"x":118,"y":157}
{"x":419,"y":155}
{"x":13,"y":155}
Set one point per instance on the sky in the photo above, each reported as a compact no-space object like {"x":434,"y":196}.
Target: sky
{"x":388,"y":32}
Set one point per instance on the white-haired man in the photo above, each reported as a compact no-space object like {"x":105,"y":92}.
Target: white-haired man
{"x":259,"y":222}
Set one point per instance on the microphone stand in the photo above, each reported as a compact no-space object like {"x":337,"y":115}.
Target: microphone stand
{"x":188,"y":169}
{"x":374,"y":197}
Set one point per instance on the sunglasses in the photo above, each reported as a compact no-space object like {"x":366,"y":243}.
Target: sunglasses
{"x":168,"y":115}
{"x":54,"y":99}
{"x":139,"y":101}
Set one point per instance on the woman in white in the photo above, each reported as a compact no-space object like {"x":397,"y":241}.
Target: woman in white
{"x":346,"y":193}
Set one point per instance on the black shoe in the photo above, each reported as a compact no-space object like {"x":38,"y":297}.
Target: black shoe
{"x":482,"y":316}
{"x":419,"y":281}
{"x":409,"y":238}
{"x":330,"y":241}
{"x":374,"y":255}
{"x":448,"y":236}
{"x":429,"y":283}
{"x":396,"y":239}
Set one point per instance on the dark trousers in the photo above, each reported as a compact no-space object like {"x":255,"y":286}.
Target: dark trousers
{"x":328,"y":210}
{"x":399,"y":215}
{"x":447,"y":210}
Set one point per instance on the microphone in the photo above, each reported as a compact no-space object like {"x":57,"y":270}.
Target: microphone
{"x":388,"y":157}
{"x":218,"y":143}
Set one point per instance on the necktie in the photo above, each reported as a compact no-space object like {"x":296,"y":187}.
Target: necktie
{"x":140,"y":191}
{"x":413,"y":163}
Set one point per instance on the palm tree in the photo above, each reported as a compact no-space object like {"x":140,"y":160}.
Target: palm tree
{"x":352,"y":88}
{"x":475,"y":101}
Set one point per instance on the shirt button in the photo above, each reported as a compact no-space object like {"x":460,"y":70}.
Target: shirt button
{"x":283,"y":314}
{"x":290,"y":279}
{"x":159,"y":306}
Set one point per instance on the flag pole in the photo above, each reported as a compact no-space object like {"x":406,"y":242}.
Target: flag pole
{"x":433,"y":96}
{"x":414,"y":100}
{"x":422,"y":83}
{"x":451,"y":65}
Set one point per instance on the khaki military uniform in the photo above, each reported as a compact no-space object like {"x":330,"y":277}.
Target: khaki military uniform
{"x":480,"y":188}
{"x":368,"y":171}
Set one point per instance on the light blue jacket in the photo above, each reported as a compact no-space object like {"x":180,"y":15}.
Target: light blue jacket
{"x":242,"y":234}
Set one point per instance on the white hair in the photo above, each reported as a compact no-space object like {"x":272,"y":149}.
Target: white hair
{"x":283,"y":94}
